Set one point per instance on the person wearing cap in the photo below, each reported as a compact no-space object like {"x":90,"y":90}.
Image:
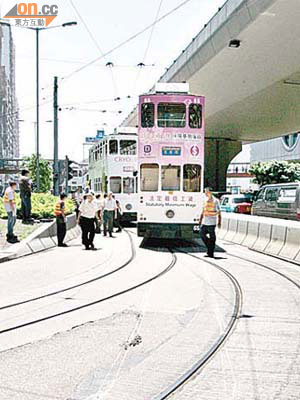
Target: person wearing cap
{"x":61,"y":222}
{"x":110,"y":209}
{"x":86,"y":220}
{"x":25,"y":186}
{"x":11,"y":209}
{"x":209,"y":219}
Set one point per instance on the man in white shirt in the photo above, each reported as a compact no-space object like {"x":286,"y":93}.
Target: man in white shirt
{"x":86,"y":220}
{"x":110,"y":208}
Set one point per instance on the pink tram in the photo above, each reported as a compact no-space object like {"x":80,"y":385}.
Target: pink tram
{"x":170,"y":162}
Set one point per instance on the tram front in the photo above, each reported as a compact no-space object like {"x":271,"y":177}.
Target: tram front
{"x":170,"y":161}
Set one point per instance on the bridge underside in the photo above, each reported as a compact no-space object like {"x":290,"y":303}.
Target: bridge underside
{"x":252,"y":92}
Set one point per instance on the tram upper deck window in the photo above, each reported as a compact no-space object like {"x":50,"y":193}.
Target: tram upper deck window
{"x":191,"y":178}
{"x":116,"y":184}
{"x":195,"y":116}
{"x":128,"y":185}
{"x":171,"y":115}
{"x":147,"y":116}
{"x":113,"y":147}
{"x":170,"y":177}
{"x":128,"y":147}
{"x":149,"y":177}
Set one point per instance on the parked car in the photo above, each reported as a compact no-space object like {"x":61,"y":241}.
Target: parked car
{"x":280,"y":200}
{"x":236,"y":203}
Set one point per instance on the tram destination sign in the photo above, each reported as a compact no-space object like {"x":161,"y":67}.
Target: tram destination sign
{"x":171,"y":151}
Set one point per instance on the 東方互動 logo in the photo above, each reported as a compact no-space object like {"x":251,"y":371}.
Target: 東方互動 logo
{"x":29,"y":14}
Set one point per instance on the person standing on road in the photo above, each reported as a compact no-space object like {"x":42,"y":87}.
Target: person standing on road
{"x":110,"y":208}
{"x":86,"y":220}
{"x":98,"y":220}
{"x":209,"y":219}
{"x":25,"y":186}
{"x":61,"y":222}
{"x":118,"y":216}
{"x":11,"y":209}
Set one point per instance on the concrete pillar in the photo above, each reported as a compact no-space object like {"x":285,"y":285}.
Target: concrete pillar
{"x":218,"y":155}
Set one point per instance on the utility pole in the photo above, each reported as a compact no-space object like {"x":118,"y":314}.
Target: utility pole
{"x":67,"y":175}
{"x":55,"y":136}
{"x":37,"y":113}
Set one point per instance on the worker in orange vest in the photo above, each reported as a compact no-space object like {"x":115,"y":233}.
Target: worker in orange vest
{"x":209,"y":219}
{"x":61,"y":221}
{"x":9,"y":200}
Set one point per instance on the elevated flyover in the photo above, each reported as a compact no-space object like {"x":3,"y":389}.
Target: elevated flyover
{"x":252,"y":91}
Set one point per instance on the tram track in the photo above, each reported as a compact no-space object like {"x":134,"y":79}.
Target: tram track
{"x":219,"y":343}
{"x":192,"y":372}
{"x":78,"y":285}
{"x":97,"y":301}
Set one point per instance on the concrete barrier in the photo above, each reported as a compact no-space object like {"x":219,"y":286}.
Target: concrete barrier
{"x":252,"y":234}
{"x":232,"y":230}
{"x":241,"y":233}
{"x":277,"y":241}
{"x":224,"y":228}
{"x":263,"y":238}
{"x":41,"y":239}
{"x":291,"y":248}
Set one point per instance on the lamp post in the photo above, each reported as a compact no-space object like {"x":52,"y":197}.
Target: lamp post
{"x":37,"y":31}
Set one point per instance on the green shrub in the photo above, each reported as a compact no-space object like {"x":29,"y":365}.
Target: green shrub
{"x":43,"y":205}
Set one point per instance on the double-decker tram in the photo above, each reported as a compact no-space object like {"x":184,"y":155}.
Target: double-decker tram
{"x":170,"y":162}
{"x":113,"y":168}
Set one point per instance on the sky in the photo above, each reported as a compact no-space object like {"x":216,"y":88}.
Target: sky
{"x":84,"y":95}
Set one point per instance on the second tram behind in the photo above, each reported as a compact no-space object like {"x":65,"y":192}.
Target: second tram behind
{"x":113,"y":168}
{"x":170,"y":162}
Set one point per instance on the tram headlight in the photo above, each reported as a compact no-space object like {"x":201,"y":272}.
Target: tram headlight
{"x":170,"y":214}
{"x":128,"y":207}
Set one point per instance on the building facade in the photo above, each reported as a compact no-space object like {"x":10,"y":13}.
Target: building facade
{"x":9,"y":125}
{"x":285,"y":148}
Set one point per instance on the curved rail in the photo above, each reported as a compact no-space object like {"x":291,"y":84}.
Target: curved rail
{"x":97,"y":278}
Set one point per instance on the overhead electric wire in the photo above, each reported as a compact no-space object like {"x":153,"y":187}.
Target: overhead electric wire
{"x":147,"y":47}
{"x":94,"y":40}
{"x":124,"y":42}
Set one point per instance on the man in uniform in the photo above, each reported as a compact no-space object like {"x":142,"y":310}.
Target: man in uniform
{"x":25,"y":193}
{"x":11,"y":209}
{"x":110,"y":209}
{"x":210,"y":217}
{"x":61,"y":220}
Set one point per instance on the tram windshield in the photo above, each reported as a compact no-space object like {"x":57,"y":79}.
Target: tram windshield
{"x":113,"y":147}
{"x":116,"y":184}
{"x":128,"y":185}
{"x":171,"y":115}
{"x":128,"y":147}
{"x":147,"y":117}
{"x":149,"y":177}
{"x":170,"y":177}
{"x":191,"y":178}
{"x":195,"y":116}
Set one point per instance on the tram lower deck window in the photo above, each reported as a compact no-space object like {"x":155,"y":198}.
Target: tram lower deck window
{"x":170,"y":177}
{"x":191,"y":178}
{"x":116,"y":184}
{"x":171,"y":115}
{"x":149,"y":177}
{"x":128,"y":185}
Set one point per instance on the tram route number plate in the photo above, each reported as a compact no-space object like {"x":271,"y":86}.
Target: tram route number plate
{"x":196,"y":228}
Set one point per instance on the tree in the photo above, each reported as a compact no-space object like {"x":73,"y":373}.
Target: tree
{"x":45,"y":172}
{"x":275,"y":172}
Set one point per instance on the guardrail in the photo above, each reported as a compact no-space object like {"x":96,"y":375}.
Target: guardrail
{"x":43,"y":238}
{"x":276,"y":237}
